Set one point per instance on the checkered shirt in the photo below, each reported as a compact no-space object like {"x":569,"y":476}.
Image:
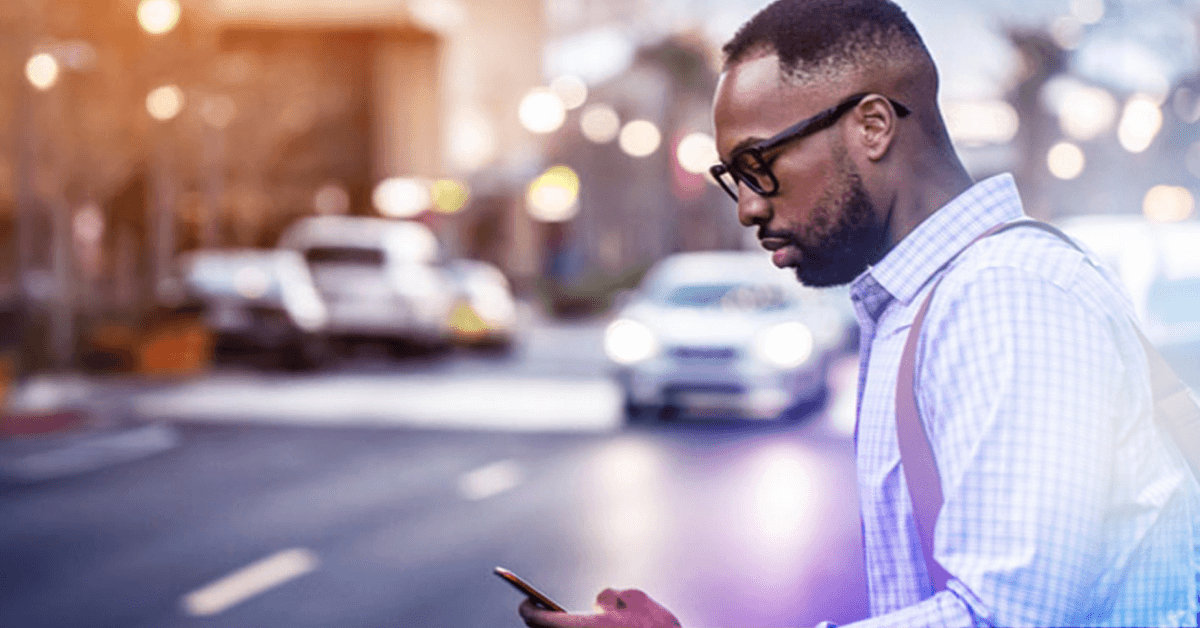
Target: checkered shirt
{"x":1063,"y":504}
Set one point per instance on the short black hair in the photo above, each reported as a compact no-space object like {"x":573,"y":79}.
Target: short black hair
{"x":811,"y":35}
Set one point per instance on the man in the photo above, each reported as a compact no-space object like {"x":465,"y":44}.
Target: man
{"x":1063,"y":504}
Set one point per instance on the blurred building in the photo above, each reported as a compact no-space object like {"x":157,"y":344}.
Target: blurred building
{"x":141,"y":128}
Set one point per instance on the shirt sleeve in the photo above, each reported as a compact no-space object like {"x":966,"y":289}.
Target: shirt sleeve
{"x":1017,"y":383}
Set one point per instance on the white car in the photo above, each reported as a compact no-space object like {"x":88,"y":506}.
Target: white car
{"x":486,"y":313}
{"x":725,"y":332}
{"x":380,"y":279}
{"x":257,"y":300}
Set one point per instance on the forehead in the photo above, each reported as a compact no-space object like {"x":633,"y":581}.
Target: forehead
{"x":753,"y":101}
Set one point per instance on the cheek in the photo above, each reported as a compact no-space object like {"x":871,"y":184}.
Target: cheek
{"x":804,"y":183}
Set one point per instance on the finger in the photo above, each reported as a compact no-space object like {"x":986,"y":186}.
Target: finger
{"x":609,"y":599}
{"x":541,"y":618}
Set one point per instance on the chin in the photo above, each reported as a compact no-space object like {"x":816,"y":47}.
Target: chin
{"x":823,"y":277}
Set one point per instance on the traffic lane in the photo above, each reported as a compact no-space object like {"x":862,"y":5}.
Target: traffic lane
{"x":407,"y":525}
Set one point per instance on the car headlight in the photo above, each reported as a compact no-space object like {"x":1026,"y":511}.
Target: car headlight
{"x":785,"y":346}
{"x":627,"y":342}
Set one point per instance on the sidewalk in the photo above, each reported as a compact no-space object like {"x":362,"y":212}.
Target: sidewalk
{"x":56,"y":426}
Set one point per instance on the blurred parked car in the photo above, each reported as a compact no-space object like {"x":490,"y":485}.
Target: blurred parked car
{"x":257,"y":301}
{"x":723,"y":331}
{"x":380,"y":279}
{"x":486,"y":313}
{"x":1159,"y":263}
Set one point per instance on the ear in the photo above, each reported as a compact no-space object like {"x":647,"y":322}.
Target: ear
{"x":874,"y":127}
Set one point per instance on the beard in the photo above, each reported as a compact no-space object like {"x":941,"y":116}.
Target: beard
{"x":845,"y":234}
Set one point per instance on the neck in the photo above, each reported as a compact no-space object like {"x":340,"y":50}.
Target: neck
{"x":929,"y":185}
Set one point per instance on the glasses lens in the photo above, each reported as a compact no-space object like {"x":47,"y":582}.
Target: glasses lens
{"x":753,"y":171}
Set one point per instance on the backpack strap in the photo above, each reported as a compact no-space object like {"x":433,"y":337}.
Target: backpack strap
{"x":916,"y":453}
{"x":1176,"y":411}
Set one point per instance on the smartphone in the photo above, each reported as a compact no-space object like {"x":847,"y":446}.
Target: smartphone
{"x":538,"y":597}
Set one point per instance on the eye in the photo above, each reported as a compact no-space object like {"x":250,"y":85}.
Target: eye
{"x":751,"y":162}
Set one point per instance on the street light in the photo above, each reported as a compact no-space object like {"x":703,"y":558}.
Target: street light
{"x":158,"y":17}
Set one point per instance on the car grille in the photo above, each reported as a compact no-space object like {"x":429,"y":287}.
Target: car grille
{"x":703,"y":354}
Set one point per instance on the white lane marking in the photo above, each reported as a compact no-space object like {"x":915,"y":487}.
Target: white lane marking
{"x":490,"y":480}
{"x":250,"y":581}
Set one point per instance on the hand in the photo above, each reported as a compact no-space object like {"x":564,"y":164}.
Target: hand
{"x":615,"y":609}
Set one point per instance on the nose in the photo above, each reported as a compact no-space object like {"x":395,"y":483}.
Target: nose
{"x":752,"y":209}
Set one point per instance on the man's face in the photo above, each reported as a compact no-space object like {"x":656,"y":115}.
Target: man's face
{"x":821,"y":222}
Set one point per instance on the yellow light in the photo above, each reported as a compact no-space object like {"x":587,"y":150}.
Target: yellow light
{"x":1140,"y":123}
{"x":542,"y":111}
{"x":449,"y":196}
{"x":554,"y":195}
{"x":158,"y":17}
{"x":42,"y":71}
{"x":164,"y":103}
{"x":1065,"y":160}
{"x":1166,"y":203}
{"x":600,"y":123}
{"x":640,"y":138}
{"x":400,"y":197}
{"x":571,"y":90}
{"x":696,"y":152}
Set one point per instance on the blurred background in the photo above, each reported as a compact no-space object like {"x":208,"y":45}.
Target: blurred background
{"x":313,"y":311}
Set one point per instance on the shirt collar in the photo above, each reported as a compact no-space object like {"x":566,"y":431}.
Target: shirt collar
{"x":927,"y":248}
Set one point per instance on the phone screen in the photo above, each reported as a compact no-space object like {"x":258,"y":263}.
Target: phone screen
{"x":538,"y":597}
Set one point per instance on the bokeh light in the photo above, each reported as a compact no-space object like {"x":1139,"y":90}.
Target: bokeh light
{"x":42,"y":71}
{"x":158,"y":17}
{"x":542,"y":111}
{"x":1065,"y":160}
{"x":640,"y":138}
{"x":449,"y":196}
{"x":554,"y":195}
{"x":401,"y":197}
{"x":331,"y":199}
{"x":600,"y":123}
{"x":165,"y":103}
{"x":1168,"y":203}
{"x":982,"y":122}
{"x":1140,"y":123}
{"x":472,"y":141}
{"x":571,"y":90}
{"x":218,"y":111}
{"x":1084,"y":112}
{"x":696,"y":152}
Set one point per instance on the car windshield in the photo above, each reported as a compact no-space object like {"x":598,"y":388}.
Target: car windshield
{"x":229,"y":277}
{"x":353,"y":256}
{"x":727,"y":296}
{"x":1175,"y":301}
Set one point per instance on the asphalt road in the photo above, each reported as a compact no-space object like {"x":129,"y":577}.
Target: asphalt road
{"x":728,"y":524}
{"x":333,"y":499}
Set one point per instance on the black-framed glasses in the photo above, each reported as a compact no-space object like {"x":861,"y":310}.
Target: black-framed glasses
{"x":751,"y":166}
